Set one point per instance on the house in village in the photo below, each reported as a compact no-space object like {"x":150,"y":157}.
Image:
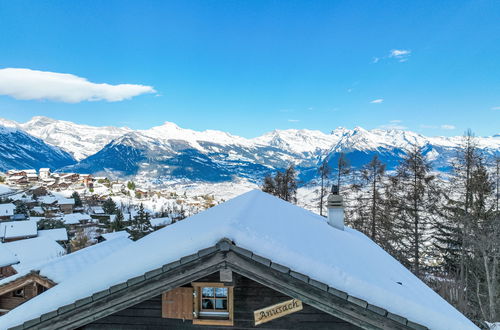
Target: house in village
{"x":6,"y":211}
{"x":44,"y":173}
{"x":254,"y":261}
{"x":17,"y":230}
{"x":66,"y":205}
{"x":32,"y":281}
{"x":21,"y":255}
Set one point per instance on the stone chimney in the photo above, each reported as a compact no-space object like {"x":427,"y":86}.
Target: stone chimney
{"x":335,"y":206}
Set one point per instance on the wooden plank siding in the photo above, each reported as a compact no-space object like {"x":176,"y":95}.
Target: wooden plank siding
{"x":248,"y":296}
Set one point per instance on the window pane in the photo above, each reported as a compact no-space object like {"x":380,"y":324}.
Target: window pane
{"x":221,"y":304}
{"x":207,"y":292}
{"x":207,"y":303}
{"x":221,"y":292}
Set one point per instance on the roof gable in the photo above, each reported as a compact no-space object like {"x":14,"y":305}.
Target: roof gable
{"x":290,"y":236}
{"x":207,"y":261}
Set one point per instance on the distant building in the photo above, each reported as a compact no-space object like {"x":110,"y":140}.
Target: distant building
{"x":44,"y":173}
{"x":7,"y":211}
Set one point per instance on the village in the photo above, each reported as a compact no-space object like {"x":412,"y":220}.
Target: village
{"x":58,"y":214}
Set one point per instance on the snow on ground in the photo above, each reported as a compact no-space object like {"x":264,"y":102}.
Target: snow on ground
{"x":346,"y":260}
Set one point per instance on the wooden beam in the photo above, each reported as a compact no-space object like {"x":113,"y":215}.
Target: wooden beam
{"x":310,"y":295}
{"x":132,"y":295}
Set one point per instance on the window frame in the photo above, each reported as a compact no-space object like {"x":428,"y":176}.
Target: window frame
{"x":206,"y":320}
{"x":21,"y":295}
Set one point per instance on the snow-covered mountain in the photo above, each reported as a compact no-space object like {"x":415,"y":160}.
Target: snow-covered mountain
{"x":169,"y":152}
{"x":19,"y":150}
{"x":79,"y":140}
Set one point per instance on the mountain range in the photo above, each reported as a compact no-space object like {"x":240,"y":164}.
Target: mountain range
{"x":168,"y":152}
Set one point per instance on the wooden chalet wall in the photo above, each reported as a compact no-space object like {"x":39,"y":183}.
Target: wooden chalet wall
{"x":9,"y":302}
{"x":248,"y":296}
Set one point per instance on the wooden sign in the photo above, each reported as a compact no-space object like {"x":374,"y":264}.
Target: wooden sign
{"x":276,"y":311}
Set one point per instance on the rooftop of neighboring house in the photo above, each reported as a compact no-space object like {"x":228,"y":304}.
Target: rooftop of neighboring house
{"x":33,"y":250}
{"x":7,"y":209}
{"x":18,"y":229}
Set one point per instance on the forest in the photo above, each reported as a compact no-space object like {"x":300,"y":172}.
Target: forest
{"x":443,"y":226}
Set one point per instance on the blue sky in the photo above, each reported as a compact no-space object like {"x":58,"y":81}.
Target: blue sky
{"x":250,"y":67}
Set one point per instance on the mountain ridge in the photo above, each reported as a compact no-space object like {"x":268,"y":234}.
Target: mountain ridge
{"x":168,"y":151}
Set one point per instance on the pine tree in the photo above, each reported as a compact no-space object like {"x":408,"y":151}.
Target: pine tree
{"x":140,"y":225}
{"x":119,"y":223}
{"x":282,"y":185}
{"x":78,"y":201}
{"x":109,"y":206}
{"x":21,"y":208}
{"x":343,"y":168}
{"x":416,"y":197}
{"x":131,"y":185}
{"x":372,"y":174}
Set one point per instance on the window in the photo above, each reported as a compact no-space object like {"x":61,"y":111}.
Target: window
{"x":213,"y":303}
{"x":206,"y":303}
{"x":18,"y":293}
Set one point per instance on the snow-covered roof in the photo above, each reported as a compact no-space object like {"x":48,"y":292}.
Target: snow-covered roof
{"x":14,"y":229}
{"x":59,"y":269}
{"x":38,"y":209}
{"x":7,"y":257}
{"x":284,"y":233}
{"x":156,"y":222}
{"x":47,"y":199}
{"x":57,"y":234}
{"x":115,"y":235}
{"x":66,"y":201}
{"x":97,"y":210}
{"x":34,"y":250}
{"x":4,"y":189}
{"x":7,"y":209}
{"x":75,"y":218}
{"x":44,"y":170}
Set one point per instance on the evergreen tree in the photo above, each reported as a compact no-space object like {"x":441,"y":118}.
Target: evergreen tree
{"x":282,"y":185}
{"x":324,"y":171}
{"x":416,"y":197}
{"x":131,"y":185}
{"x":21,"y":208}
{"x":50,"y":224}
{"x":78,"y":201}
{"x":109,"y":206}
{"x":373,"y":174}
{"x":119,"y":223}
{"x":140,"y":225}
{"x":343,"y":168}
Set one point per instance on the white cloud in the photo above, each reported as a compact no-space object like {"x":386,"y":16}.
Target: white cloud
{"x":495,"y":108}
{"x":447,"y":127}
{"x":293,"y":120}
{"x":377,"y":101}
{"x":401,"y":55}
{"x":27,"y":84}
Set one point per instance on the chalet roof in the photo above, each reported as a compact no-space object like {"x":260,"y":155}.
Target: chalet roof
{"x":7,"y":257}
{"x":57,"y":234}
{"x":160,"y":222}
{"x":15,"y":229}
{"x":7,"y":209}
{"x":59,"y":269}
{"x":75,"y":218}
{"x":293,"y":238}
{"x":115,"y":235}
{"x":34,"y":250}
{"x":66,"y":201}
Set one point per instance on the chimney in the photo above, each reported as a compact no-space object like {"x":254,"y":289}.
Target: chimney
{"x":335,"y":206}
